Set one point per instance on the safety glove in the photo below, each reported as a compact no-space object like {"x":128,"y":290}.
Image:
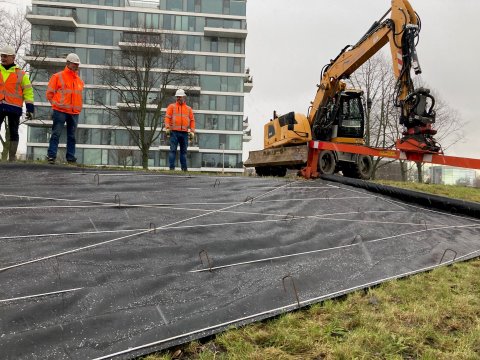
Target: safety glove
{"x":29,"y":115}
{"x":167,"y":132}
{"x":191,"y":136}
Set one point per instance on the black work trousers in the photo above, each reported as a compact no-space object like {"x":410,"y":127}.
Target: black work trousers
{"x":13,"y":123}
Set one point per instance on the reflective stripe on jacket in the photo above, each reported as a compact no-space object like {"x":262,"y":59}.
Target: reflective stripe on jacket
{"x":65,"y":92}
{"x":15,"y":88}
{"x":179,"y":117}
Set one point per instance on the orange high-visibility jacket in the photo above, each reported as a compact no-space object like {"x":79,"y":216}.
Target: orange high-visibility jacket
{"x":15,"y":88}
{"x":65,"y":92}
{"x":179,"y":117}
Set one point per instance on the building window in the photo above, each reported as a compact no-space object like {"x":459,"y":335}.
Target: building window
{"x":214,"y":45}
{"x":38,"y":134}
{"x":140,"y":23}
{"x":122,"y":138}
{"x":238,"y":7}
{"x":221,"y":83}
{"x":226,"y":7}
{"x":234,"y":142}
{"x":128,"y":19}
{"x":212,"y":102}
{"x":233,"y":122}
{"x":213,"y":63}
{"x":61,"y":35}
{"x":214,"y":22}
{"x":40,"y":93}
{"x":238,"y":46}
{"x":193,"y":43}
{"x":37,"y":153}
{"x":168,"y":22}
{"x":118,"y":18}
{"x":100,"y":37}
{"x":174,"y":5}
{"x":107,"y":137}
{"x":212,"y":7}
{"x":181,"y":23}
{"x":211,"y":123}
{"x":92,"y":156}
{"x":95,"y":57}
{"x":192,"y":22}
{"x":217,"y":160}
{"x":152,"y":21}
{"x":100,"y":17}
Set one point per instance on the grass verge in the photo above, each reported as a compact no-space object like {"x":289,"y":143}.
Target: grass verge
{"x":456,"y":192}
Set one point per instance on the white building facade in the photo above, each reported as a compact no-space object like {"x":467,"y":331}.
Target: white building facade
{"x":452,"y":176}
{"x":211,"y":35}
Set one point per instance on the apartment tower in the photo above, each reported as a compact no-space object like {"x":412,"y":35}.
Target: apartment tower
{"x":210,"y":35}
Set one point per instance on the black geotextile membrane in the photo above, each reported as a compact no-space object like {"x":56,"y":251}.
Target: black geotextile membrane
{"x":453,"y":206}
{"x":101,"y":264}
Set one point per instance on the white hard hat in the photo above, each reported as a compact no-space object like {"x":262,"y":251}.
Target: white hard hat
{"x":73,"y":58}
{"x":7,"y":50}
{"x":180,"y":92}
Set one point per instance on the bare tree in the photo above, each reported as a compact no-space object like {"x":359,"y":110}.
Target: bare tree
{"x":124,"y":156}
{"x":143,"y":78}
{"x":382,"y":128}
{"x":16,"y":33}
{"x":448,"y":123}
{"x":377,"y":81}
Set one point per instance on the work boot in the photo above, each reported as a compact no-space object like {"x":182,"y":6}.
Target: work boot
{"x":12,"y":151}
{"x":72,"y":161}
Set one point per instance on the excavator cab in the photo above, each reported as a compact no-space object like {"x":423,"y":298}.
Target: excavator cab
{"x":350,"y":117}
{"x":342,"y":119}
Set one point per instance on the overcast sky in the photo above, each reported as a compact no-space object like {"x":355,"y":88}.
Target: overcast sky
{"x":289,"y":42}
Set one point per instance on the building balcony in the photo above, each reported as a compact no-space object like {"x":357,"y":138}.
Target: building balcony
{"x":188,"y":89}
{"x":38,"y":123}
{"x":227,"y":33}
{"x":133,"y":106}
{"x":142,"y":39}
{"x":138,"y":46}
{"x":42,"y":61}
{"x":247,"y":85}
{"x":64,"y":17}
{"x":245,"y":123}
{"x":152,"y":99}
{"x":247,"y":135}
{"x":247,"y":81}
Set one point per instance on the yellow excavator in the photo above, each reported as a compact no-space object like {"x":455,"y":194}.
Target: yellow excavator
{"x":337,"y":115}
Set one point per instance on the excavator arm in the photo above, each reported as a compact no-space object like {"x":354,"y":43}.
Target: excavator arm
{"x":401,"y":32}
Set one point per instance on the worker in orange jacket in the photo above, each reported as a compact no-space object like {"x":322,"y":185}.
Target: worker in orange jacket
{"x":15,"y":89}
{"x":64,"y":92}
{"x":180,"y":126}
